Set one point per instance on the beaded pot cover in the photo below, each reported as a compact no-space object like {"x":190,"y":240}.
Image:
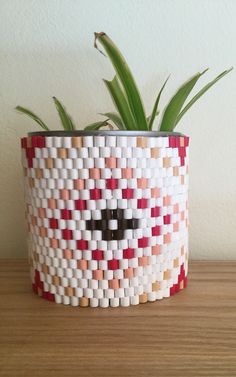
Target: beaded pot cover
{"x":107,"y":217}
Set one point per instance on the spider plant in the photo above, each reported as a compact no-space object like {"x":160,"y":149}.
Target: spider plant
{"x":65,"y":118}
{"x":127,"y":99}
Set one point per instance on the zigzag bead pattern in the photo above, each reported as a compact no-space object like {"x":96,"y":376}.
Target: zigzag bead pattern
{"x":107,"y":217}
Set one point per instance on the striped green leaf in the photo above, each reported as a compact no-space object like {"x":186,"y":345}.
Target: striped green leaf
{"x":155,"y":107}
{"x":201,"y":92}
{"x":176,"y":103}
{"x":121,"y":103}
{"x":96,"y":125}
{"x":126,"y":79}
{"x":33,"y":116}
{"x":66,"y":120}
{"x":116,"y":119}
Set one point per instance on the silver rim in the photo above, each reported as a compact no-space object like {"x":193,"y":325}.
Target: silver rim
{"x":105,"y":133}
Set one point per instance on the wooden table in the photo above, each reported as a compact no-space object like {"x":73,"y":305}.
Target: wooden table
{"x":191,"y":334}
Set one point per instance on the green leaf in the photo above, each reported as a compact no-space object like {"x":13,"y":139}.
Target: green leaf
{"x":116,"y":119}
{"x":121,"y":103}
{"x":33,"y":116}
{"x":126,"y":79}
{"x":96,"y":125}
{"x":66,"y":120}
{"x":176,"y":103}
{"x":201,"y":92}
{"x":155,"y":107}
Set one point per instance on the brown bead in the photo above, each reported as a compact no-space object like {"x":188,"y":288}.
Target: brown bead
{"x":156,"y":286}
{"x":84,"y":301}
{"x":143,"y":298}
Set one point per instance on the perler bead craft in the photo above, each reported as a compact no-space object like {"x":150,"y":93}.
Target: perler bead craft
{"x":107,"y":217}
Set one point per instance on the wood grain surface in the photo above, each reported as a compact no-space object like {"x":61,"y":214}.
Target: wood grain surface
{"x":190,"y":334}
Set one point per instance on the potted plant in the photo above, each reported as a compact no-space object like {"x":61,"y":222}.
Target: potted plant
{"x":108,"y":209}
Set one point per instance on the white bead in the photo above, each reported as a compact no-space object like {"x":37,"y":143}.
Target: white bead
{"x":58,"y":299}
{"x":99,"y":141}
{"x":104,"y":302}
{"x":134,"y":300}
{"x":74,"y":301}
{"x":114,"y":302}
{"x":93,"y":302}
{"x":125,"y":301}
{"x":66,"y":300}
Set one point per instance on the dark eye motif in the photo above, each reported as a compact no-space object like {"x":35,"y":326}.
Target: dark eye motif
{"x":112,"y":224}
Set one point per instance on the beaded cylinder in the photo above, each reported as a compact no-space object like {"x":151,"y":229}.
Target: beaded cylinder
{"x":107,"y":217}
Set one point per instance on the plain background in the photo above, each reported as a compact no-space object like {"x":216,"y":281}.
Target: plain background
{"x":46,"y":49}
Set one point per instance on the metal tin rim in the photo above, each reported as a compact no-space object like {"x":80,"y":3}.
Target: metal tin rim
{"x":105,"y":133}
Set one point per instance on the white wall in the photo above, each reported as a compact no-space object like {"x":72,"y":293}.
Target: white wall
{"x":46,"y":49}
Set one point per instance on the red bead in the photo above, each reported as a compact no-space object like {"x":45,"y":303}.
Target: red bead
{"x":24,"y":142}
{"x":113,"y":264}
{"x":172,"y":290}
{"x":112,"y":184}
{"x":182,"y":161}
{"x":95,"y":194}
{"x":30,"y":162}
{"x":37,"y":277}
{"x":30,"y":153}
{"x":167,"y":219}
{"x":127,"y":193}
{"x":156,"y":230}
{"x":186,"y":141}
{"x":142,"y":203}
{"x":128,"y":253}
{"x":41,"y":142}
{"x":67,"y":234}
{"x":82,"y":244}
{"x":66,"y":214}
{"x":182,"y":151}
{"x":172,"y":141}
{"x":143,"y":242}
{"x":97,"y":254}
{"x":50,"y":296}
{"x":53,"y":223}
{"x":80,"y":204}
{"x":34,"y":140}
{"x":155,"y":211}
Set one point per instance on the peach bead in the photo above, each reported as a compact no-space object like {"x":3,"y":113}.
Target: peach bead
{"x":38,"y":173}
{"x":67,"y":254}
{"x":33,"y":220}
{"x":142,"y":183}
{"x":79,"y":184}
{"x":111,"y":162}
{"x":156,"y":249}
{"x":155,"y":192}
{"x":167,"y":275}
{"x":167,"y":200}
{"x":82,"y":264}
{"x":176,"y":227}
{"x":176,"y":171}
{"x":129,"y":272}
{"x":182,"y":215}
{"x":42,"y":232}
{"x":114,"y":284}
{"x":98,"y":274}
{"x":54,"y":243}
{"x":52,"y":203}
{"x":167,"y":238}
{"x":176,"y":263}
{"x":64,"y":194}
{"x":94,"y":173}
{"x":127,"y":173}
{"x":143,"y":261}
{"x":181,"y":139}
{"x":29,"y":144}
{"x":156,"y":286}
